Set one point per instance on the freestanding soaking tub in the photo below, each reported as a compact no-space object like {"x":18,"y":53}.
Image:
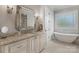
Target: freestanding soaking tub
{"x":69,"y":38}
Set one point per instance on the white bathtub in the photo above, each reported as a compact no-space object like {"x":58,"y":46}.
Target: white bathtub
{"x":66,"y":37}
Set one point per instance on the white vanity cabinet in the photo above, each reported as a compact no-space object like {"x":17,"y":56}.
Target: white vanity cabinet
{"x":37,"y":43}
{"x":25,"y":46}
{"x":40,"y":42}
{"x":33,"y":44}
{"x":28,"y":45}
{"x":16,"y":47}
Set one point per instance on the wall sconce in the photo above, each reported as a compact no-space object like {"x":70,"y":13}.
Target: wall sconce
{"x":9,"y":9}
{"x":36,"y":14}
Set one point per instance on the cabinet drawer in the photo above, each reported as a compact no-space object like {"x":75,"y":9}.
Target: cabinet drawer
{"x":18,"y":47}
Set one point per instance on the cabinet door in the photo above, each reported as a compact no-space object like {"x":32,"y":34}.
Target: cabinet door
{"x":18,"y":47}
{"x":37,"y":44}
{"x":31,"y":45}
{"x":42,"y":41}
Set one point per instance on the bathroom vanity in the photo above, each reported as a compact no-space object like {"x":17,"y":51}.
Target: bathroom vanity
{"x":26,"y":43}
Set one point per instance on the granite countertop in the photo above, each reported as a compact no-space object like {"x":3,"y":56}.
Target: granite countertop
{"x":16,"y":37}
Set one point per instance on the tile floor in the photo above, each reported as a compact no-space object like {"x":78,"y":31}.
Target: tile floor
{"x":58,"y":47}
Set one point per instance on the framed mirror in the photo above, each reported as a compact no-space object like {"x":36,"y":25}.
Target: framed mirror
{"x":25,"y":20}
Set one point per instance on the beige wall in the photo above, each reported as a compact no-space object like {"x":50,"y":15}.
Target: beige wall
{"x":7,"y":19}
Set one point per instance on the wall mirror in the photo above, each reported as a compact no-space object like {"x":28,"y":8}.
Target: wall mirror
{"x":25,"y":19}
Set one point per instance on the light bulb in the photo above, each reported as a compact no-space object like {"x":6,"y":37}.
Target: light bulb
{"x":4,"y":29}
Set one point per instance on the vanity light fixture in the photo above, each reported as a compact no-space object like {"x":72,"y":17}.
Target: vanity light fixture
{"x":9,"y":9}
{"x":36,"y":14}
{"x":4,"y":29}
